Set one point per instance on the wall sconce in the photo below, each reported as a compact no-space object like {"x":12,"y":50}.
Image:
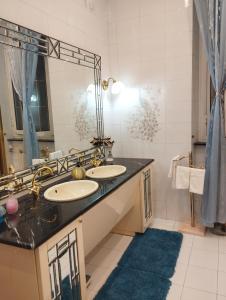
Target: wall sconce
{"x":116,"y":88}
{"x":105,"y":83}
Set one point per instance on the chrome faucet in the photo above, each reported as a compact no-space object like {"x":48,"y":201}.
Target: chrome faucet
{"x":35,"y":187}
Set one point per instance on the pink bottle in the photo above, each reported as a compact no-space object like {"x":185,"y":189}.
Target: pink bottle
{"x":12,"y":205}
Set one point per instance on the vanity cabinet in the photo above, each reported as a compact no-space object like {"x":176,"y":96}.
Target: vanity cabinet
{"x":55,"y":270}
{"x":101,"y":219}
{"x":61,"y":266}
{"x":139,"y":218}
{"x":125,"y":211}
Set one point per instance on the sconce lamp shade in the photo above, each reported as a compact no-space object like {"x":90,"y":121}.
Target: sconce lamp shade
{"x":105,"y":83}
{"x":117,"y":87}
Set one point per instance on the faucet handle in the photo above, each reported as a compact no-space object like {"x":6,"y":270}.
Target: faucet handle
{"x":95,"y":162}
{"x":15,"y":184}
{"x":35,"y":189}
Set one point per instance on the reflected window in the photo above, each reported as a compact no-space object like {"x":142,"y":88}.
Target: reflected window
{"x":38,"y":101}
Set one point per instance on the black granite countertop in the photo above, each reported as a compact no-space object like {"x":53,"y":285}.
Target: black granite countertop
{"x":37,"y":221}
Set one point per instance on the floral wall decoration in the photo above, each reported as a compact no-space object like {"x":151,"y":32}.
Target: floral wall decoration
{"x":143,"y":123}
{"x":84,"y":117}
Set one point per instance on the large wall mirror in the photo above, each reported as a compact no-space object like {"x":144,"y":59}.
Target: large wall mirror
{"x":50,"y":98}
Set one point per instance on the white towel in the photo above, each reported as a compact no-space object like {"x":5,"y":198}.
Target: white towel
{"x":55,"y":155}
{"x":172,"y":171}
{"x":182,"y":177}
{"x":197,"y":181}
{"x":173,"y":166}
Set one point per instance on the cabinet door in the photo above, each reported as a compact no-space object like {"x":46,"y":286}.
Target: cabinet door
{"x":61,"y":266}
{"x":147,"y":196}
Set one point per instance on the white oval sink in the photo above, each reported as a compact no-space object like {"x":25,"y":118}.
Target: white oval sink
{"x":105,"y":172}
{"x":72,"y":190}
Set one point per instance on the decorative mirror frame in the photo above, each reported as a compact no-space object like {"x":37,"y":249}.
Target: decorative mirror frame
{"x":57,"y":49}
{"x":54,"y":48}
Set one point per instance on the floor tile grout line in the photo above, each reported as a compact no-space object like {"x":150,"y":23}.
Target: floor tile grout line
{"x":218,"y":294}
{"x":202,"y":290}
{"x":187,"y":269}
{"x":212,"y":252}
{"x":207,"y":292}
{"x":208,"y":269}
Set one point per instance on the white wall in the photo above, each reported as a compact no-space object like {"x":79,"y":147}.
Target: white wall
{"x":149,"y":47}
{"x":71,"y":21}
{"x":150,"y":50}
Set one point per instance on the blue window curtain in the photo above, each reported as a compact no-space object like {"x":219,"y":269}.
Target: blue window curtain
{"x":23,"y":66}
{"x":29,"y":67}
{"x":212,"y":21}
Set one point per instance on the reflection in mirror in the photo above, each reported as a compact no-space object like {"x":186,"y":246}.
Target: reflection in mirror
{"x":47,"y":106}
{"x":73,"y":105}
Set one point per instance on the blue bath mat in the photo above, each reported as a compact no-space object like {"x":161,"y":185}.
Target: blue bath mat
{"x":154,"y":251}
{"x":145,"y":268}
{"x":70,"y":292}
{"x":130,"y":284}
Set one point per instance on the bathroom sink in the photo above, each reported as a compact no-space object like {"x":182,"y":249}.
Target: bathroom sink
{"x":72,"y":190}
{"x":105,"y":172}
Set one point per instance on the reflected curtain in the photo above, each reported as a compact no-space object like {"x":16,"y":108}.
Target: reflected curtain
{"x":23,"y":66}
{"x":212,"y":21}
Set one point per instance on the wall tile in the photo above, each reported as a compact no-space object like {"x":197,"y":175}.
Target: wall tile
{"x":177,"y":132}
{"x":121,"y":10}
{"x":153,"y":24}
{"x":148,"y":45}
{"x":158,"y":59}
{"x":148,"y":8}
{"x":128,"y":29}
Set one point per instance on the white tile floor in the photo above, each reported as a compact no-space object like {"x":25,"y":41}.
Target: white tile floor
{"x":200,"y":272}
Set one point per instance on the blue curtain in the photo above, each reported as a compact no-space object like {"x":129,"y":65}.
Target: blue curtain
{"x":29,"y":67}
{"x":212,"y":21}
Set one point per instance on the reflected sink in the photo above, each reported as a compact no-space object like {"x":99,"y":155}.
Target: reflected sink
{"x":72,"y":190}
{"x":105,"y":172}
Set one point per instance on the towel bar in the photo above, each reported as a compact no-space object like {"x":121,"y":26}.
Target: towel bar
{"x":192,"y":228}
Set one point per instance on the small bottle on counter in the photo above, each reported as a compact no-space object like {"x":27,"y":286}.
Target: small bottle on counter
{"x":11,"y":203}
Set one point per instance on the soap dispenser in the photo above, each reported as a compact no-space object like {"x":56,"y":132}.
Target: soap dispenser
{"x":12,"y":202}
{"x":78,"y":172}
